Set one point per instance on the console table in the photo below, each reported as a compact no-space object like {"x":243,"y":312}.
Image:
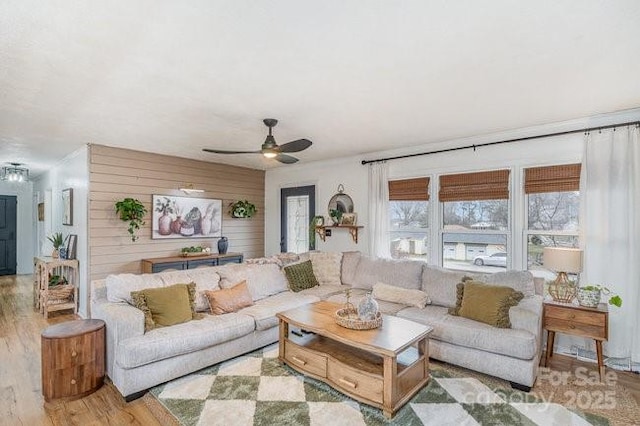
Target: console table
{"x":160,"y":264}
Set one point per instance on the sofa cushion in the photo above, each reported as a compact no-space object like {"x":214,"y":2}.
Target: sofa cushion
{"x":440,"y":285}
{"x":521,"y":281}
{"x":400,"y":273}
{"x":473,"y":334}
{"x":489,"y":304}
{"x":404,"y":296}
{"x":324,"y":291}
{"x":350,"y":260}
{"x":166,"y":306}
{"x":227,"y":300}
{"x":262,"y":280}
{"x":206,"y":278}
{"x":300,"y":276}
{"x":120,"y":286}
{"x":264,"y":311}
{"x":167,"y":342}
{"x":326,"y":267}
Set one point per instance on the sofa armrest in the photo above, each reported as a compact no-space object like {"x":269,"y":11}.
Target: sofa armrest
{"x":527,"y":315}
{"x":123,"y":321}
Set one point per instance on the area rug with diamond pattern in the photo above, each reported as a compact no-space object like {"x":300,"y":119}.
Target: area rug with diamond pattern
{"x":256,"y":389}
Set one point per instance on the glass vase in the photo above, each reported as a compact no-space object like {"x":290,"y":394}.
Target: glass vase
{"x":368,"y":308}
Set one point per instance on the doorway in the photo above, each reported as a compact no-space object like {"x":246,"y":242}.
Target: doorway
{"x":8,"y":204}
{"x":297,"y":207}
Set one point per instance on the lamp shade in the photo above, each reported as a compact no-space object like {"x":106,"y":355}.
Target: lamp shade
{"x":561,"y":259}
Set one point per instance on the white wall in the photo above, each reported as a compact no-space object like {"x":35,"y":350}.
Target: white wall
{"x":326,"y":176}
{"x":71,"y":172}
{"x":25,"y":223}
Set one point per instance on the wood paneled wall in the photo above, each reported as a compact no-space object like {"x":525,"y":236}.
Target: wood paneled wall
{"x":116,"y":173}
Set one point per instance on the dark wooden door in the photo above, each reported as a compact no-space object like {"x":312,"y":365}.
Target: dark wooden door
{"x":297,"y":207}
{"x":8,"y":205}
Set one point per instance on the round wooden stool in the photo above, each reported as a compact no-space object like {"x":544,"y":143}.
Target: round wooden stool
{"x":73,"y":355}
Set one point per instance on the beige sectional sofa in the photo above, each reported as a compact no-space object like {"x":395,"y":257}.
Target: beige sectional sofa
{"x":137,"y":360}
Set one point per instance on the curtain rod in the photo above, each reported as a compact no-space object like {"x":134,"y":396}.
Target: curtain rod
{"x":568,"y":132}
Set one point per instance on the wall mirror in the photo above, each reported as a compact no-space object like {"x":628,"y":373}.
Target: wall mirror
{"x":341,"y":202}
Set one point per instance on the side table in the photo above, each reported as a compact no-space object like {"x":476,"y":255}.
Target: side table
{"x":578,"y":321}
{"x":73,"y":359}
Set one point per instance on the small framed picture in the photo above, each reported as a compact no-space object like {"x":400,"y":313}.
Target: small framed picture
{"x":349,"y":219}
{"x":67,"y":206}
{"x":72,"y":242}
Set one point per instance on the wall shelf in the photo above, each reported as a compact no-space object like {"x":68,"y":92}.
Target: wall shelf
{"x":353,"y":230}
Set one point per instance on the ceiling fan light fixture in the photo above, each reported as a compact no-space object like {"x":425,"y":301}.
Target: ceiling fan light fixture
{"x":269,"y":153}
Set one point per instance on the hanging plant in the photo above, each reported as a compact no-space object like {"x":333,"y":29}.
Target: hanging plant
{"x":315,"y":222}
{"x":132,"y":211}
{"x":242,"y":209}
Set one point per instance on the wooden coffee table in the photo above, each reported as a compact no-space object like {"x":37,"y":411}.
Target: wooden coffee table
{"x":378,"y":367}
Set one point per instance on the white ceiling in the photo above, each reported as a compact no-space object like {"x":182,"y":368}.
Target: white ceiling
{"x":177,"y":76}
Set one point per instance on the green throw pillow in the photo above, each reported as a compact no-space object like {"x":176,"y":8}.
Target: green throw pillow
{"x":300,"y":276}
{"x":164,"y":306}
{"x":489,"y":304}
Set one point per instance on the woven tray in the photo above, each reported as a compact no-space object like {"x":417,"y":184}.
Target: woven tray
{"x":348,"y":318}
{"x":194,"y":254}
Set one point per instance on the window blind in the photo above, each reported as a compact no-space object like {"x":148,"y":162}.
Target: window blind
{"x":409,"y":189}
{"x":491,"y":185}
{"x":560,"y":178}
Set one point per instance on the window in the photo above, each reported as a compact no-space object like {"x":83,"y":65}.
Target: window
{"x":409,"y":218}
{"x":475,"y":220}
{"x":553,"y":201}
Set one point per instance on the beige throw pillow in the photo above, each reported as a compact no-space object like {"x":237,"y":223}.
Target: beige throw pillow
{"x":326,"y":267}
{"x":229,"y":300}
{"x":410,"y":297}
{"x":262,"y":280}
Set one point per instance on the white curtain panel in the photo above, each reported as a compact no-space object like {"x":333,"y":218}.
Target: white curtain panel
{"x":610,"y":224}
{"x":379,"y":210}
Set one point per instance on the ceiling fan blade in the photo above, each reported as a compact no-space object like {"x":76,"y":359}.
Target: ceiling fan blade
{"x":295,"y":146}
{"x":221,"y":151}
{"x":286,"y":159}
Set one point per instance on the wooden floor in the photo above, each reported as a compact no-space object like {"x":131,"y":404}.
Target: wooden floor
{"x":21,"y":401}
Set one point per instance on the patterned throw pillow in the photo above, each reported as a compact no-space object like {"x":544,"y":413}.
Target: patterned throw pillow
{"x":326,"y":267}
{"x":166,"y":306}
{"x":300,"y":276}
{"x":489,"y":304}
{"x":229,"y":300}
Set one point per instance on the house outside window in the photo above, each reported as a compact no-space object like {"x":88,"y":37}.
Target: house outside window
{"x":553,"y":202}
{"x":409,"y":218}
{"x":475,"y":221}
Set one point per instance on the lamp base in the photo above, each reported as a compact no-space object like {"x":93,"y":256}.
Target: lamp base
{"x":562,"y":290}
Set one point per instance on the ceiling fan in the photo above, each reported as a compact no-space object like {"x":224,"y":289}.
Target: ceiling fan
{"x":270,"y":149}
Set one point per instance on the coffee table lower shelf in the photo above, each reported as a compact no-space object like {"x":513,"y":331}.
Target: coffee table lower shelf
{"x":379,"y":380}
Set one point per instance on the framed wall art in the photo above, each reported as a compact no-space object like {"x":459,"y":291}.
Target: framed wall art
{"x":67,"y":206}
{"x":72,"y":243}
{"x":186,"y":217}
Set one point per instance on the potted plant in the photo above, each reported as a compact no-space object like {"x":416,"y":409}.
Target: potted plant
{"x":336,"y":216}
{"x":132,"y":211}
{"x":242,"y":209}
{"x":590,"y":295}
{"x":316,"y":221}
{"x":57,"y":241}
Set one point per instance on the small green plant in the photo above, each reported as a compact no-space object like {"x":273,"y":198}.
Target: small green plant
{"x":315,"y":222}
{"x":57,"y":240}
{"x":132,"y":211}
{"x":55,"y":280}
{"x":242,"y":208}
{"x":336,"y":215}
{"x":614,"y":300}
